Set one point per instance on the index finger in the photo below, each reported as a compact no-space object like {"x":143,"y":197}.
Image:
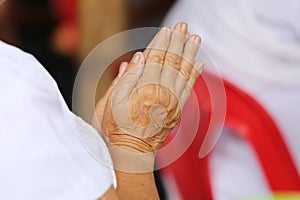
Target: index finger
{"x":155,"y":58}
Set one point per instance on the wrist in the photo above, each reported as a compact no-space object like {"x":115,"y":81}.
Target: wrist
{"x":131,"y":160}
{"x":132,"y":143}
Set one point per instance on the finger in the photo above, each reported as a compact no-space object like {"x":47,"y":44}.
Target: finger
{"x":194,"y":75}
{"x":189,"y":53}
{"x":101,"y":103}
{"x":130,"y":77}
{"x":136,"y":61}
{"x":175,"y":49}
{"x":173,"y":55}
{"x":122,"y":69}
{"x":155,"y":59}
{"x":150,"y":45}
{"x":159,"y":46}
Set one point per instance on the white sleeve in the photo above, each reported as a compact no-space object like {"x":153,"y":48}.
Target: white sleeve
{"x":46,"y":152}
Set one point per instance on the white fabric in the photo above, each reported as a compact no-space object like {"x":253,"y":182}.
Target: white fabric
{"x":42,"y":154}
{"x":256,"y":45}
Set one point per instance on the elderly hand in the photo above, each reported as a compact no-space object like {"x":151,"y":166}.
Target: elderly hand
{"x":145,"y":101}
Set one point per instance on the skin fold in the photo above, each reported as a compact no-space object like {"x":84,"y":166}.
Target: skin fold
{"x":143,"y":104}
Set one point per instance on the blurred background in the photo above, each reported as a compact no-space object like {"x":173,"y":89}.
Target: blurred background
{"x":60,"y":33}
{"x":256,"y":45}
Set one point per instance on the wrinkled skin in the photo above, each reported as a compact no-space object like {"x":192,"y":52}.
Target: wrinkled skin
{"x":145,"y":101}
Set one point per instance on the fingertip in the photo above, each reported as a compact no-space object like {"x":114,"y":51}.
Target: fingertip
{"x":138,"y":58}
{"x":196,"y":38}
{"x":181,"y":27}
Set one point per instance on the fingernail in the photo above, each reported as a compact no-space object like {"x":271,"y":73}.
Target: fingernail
{"x":183,"y":27}
{"x":199,"y":66}
{"x":136,"y":58}
{"x":196,"y":39}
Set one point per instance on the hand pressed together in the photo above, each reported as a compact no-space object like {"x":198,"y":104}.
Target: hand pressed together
{"x":145,"y":101}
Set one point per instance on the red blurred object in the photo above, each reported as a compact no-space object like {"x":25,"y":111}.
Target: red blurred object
{"x":66,"y":36}
{"x":67,"y":10}
{"x":246,"y":118}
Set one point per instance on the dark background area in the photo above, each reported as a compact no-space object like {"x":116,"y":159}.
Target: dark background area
{"x":32,"y":24}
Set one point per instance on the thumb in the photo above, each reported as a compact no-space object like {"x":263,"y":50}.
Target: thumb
{"x":122,"y":69}
{"x":98,"y":115}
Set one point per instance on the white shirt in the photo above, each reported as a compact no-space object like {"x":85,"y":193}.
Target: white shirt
{"x":46,"y":152}
{"x":256,"y":46}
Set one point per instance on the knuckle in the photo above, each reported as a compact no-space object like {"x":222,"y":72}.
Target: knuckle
{"x":188,"y":58}
{"x":185,"y":69}
{"x":173,"y":60}
{"x":185,"y":74}
{"x":156,"y":57}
